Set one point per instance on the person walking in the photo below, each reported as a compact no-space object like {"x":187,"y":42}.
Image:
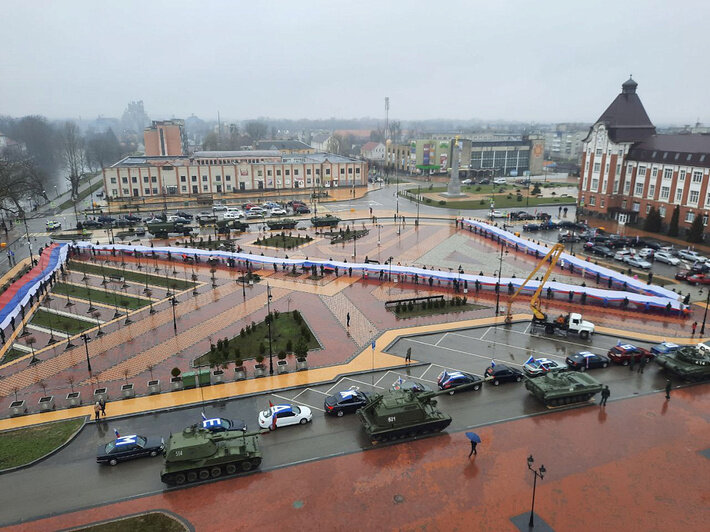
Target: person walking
{"x":347,"y":319}
{"x":605,"y":395}
{"x":668,"y":389}
{"x":97,"y":410}
{"x":102,"y":405}
{"x":473,"y":448}
{"x":408,"y":356}
{"x":559,"y":212}
{"x":694,"y":326}
{"x":642,"y":364}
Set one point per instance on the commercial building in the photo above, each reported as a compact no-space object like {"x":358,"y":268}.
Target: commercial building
{"x":166,"y":138}
{"x":627,"y":168}
{"x":228,"y":172}
{"x":373,"y":151}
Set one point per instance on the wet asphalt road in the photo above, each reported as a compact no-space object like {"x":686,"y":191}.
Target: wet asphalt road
{"x":72,"y":480}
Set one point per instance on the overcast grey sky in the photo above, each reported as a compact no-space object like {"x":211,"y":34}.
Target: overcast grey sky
{"x":554,"y":60}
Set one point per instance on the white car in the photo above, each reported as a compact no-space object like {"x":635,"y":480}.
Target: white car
{"x":497,"y":214}
{"x":233,"y":215}
{"x":499,"y":181}
{"x":219,"y":207}
{"x":53,"y":225}
{"x":638,"y":262}
{"x":689,"y":254}
{"x":466,"y":181}
{"x":645,"y":253}
{"x":252,"y":214}
{"x":622,"y":255}
{"x":664,"y":256}
{"x":278,"y":211}
{"x":286,"y":414}
{"x":257,"y":209}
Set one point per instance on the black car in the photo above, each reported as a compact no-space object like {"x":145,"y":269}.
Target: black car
{"x":501,"y":373}
{"x":531,"y":227}
{"x":219,"y":424}
{"x":568,"y":237}
{"x":412,"y":386}
{"x":585,"y":360}
{"x":301,"y":209}
{"x":132,"y":218}
{"x":106,"y":219}
{"x":458,"y":380}
{"x":91,"y":224}
{"x":183,"y":214}
{"x":602,"y":251}
{"x":345,"y":402}
{"x":127,"y":448}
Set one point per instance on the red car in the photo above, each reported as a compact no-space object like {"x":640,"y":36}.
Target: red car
{"x":698,"y":278}
{"x":622,"y":353}
{"x":682,"y":275}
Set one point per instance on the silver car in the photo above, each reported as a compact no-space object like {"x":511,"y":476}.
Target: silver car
{"x":664,"y":256}
{"x":638,"y":262}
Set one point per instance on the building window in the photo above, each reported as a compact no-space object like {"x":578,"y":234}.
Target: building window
{"x":598,"y":153}
{"x":183,"y":188}
{"x":595,"y":184}
{"x":228,"y":178}
{"x":705,"y":219}
{"x":295,"y":171}
{"x":268,"y":173}
{"x":126,"y":192}
{"x":667,"y":173}
{"x":357,"y":170}
{"x":278,"y":172}
{"x":146,"y":191}
{"x":287,"y":172}
{"x":204,"y":188}
{"x":183,"y":179}
{"x":145,"y":179}
{"x":342,"y":171}
{"x":689,"y":216}
{"x":642,"y":171}
{"x":678,"y":195}
{"x":114,"y":191}
{"x":113,"y":180}
{"x":698,"y":176}
{"x":694,"y":197}
{"x":665,"y":193}
{"x":204,"y":178}
{"x":648,"y":208}
{"x":636,"y":206}
{"x":623,"y":204}
{"x":218,"y":178}
{"x":592,"y":200}
{"x":597,"y":167}
{"x":606,"y":168}
{"x":662,"y":211}
{"x":134,"y":179}
{"x":308,"y":171}
{"x":601,"y":202}
{"x":651,"y":191}
{"x":618,"y":169}
{"x":627,"y":186}
{"x":681,"y":175}
{"x":124,"y":180}
{"x":639,"y":189}
{"x":616,"y":185}
{"x":584,"y":183}
{"x":621,"y":152}
{"x":629,"y":171}
{"x":194,"y":179}
{"x":654,"y":172}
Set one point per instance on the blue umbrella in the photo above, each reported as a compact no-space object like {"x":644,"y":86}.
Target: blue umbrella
{"x":473,"y":437}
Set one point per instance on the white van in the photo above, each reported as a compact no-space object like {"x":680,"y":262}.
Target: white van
{"x":499,"y":181}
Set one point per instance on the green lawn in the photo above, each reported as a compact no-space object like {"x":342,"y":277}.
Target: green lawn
{"x":132,"y":275}
{"x":152,"y":522}
{"x":283,"y":241}
{"x":501,"y":202}
{"x":11,"y":354}
{"x":283,"y":329}
{"x":83,"y":194}
{"x":99,"y":296}
{"x":424,"y":309}
{"x":19,"y":447}
{"x":65,"y":324}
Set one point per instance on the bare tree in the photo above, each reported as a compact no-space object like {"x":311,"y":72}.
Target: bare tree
{"x":73,"y":153}
{"x":336,"y":144}
{"x":256,"y":130}
{"x":102,"y":149}
{"x":20,"y":181}
{"x":396,"y":130}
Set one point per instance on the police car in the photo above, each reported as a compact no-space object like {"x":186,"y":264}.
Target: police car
{"x":219,"y":424}
{"x":284,"y":415}
{"x":345,"y":402}
{"x":585,"y":360}
{"x":458,"y":381}
{"x":622,"y":354}
{"x":537,"y":366}
{"x":129,"y":447}
{"x":664,"y":348}
{"x":53,"y":225}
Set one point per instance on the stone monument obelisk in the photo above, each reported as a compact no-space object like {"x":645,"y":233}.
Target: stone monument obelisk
{"x":454,"y":188}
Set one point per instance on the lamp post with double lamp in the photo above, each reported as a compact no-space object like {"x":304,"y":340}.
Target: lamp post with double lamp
{"x":86,"y":347}
{"x":268,"y":313}
{"x":538,"y":473}
{"x":705,"y":315}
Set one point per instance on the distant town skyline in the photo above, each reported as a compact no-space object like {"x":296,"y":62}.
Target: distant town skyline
{"x":512,"y":61}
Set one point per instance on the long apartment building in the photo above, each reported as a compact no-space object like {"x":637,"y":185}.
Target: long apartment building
{"x":227,"y":172}
{"x":627,"y":168}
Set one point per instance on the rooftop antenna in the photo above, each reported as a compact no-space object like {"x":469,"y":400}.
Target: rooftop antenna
{"x":387,"y":117}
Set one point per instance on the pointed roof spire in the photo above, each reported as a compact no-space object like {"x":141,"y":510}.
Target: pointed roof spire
{"x":629,"y":86}
{"x":626,"y":119}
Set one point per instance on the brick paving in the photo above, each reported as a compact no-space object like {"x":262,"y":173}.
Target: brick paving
{"x":360,"y":328}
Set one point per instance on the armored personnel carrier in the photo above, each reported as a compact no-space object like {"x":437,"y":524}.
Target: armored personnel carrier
{"x":286,"y":223}
{"x":163,"y":229}
{"x":689,"y":363}
{"x":402,"y":413}
{"x":563,"y":388}
{"x":325,"y":221}
{"x":198,"y":454}
{"x":224,"y":226}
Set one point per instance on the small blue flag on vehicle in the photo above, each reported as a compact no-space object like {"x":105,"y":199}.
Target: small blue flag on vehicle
{"x":373,"y":344}
{"x":204,"y":417}
{"x":115,"y":431}
{"x":493,"y":363}
{"x":529,"y":360}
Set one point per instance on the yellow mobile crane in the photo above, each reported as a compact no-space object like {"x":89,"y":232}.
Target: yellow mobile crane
{"x":571,"y":323}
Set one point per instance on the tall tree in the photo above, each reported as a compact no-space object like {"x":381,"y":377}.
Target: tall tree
{"x":102,"y":149}
{"x":74,"y":157}
{"x":256,"y":130}
{"x":40,"y":139}
{"x":673,"y":226}
{"x":653,"y":221}
{"x":695,"y":233}
{"x":20,"y":181}
{"x":396,"y":130}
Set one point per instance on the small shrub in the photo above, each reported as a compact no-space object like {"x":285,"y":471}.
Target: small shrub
{"x":427,"y":200}
{"x":282,"y":354}
{"x":259,"y":358}
{"x":398,"y":308}
{"x":175,"y":372}
{"x":464,"y":300}
{"x":242,"y":333}
{"x":410,"y":306}
{"x":509,"y":196}
{"x":442,"y":202}
{"x":482,"y":202}
{"x":519,"y":197}
{"x":478,"y":188}
{"x":262,"y":348}
{"x":297,"y":316}
{"x":276,"y":314}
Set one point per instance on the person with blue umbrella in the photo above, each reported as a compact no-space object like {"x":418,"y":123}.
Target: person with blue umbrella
{"x":475,"y":440}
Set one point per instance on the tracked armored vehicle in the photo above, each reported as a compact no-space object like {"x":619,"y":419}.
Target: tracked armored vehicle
{"x":689,"y":363}
{"x":563,"y":388}
{"x":402,"y":413}
{"x":286,"y":223}
{"x":163,"y":229}
{"x":198,"y":454}
{"x":325,"y":221}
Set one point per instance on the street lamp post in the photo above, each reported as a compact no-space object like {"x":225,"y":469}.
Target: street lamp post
{"x":27,"y":234}
{"x":419,"y":199}
{"x":379,"y":233}
{"x":707,"y":302}
{"x":500,"y":267}
{"x":268,"y":313}
{"x":173,"y":303}
{"x":538,"y":473}
{"x":86,"y":346}
{"x":390,"y":261}
{"x":354,"y":240}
